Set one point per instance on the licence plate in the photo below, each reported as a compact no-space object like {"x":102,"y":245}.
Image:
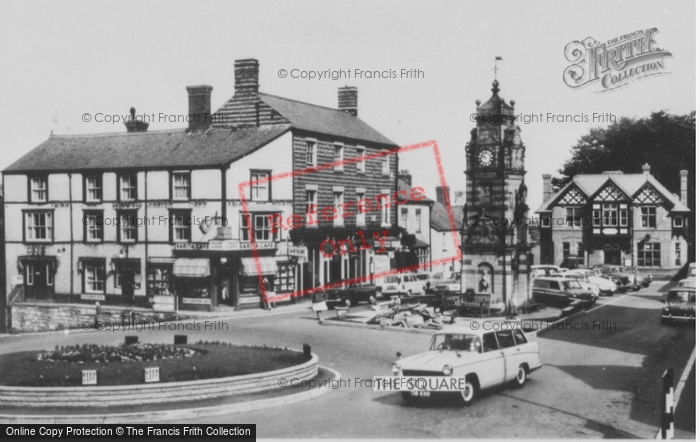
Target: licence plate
{"x":420,"y":393}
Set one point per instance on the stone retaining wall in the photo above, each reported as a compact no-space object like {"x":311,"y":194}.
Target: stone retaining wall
{"x":153,"y":393}
{"x":38,"y":317}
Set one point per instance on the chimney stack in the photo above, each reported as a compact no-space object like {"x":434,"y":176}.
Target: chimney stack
{"x":347,"y":99}
{"x":135,"y":125}
{"x":684,"y":187}
{"x":442,"y":195}
{"x":199,"y":111}
{"x":405,"y":176}
{"x":246,"y":73}
{"x":646,"y":168}
{"x":546,"y":187}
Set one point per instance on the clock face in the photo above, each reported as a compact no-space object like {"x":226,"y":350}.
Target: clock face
{"x":485,"y":157}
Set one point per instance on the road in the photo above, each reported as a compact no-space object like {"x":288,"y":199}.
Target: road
{"x":602,"y":381}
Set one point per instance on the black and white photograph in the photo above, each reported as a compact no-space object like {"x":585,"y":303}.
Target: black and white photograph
{"x":347,"y":220}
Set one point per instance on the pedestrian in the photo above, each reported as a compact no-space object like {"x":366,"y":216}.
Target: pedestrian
{"x":319,"y":300}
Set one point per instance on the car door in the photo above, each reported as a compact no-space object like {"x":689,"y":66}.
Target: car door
{"x":512,"y":357}
{"x":493,"y":369}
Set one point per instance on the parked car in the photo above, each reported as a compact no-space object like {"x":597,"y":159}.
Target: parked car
{"x":405,"y":283}
{"x":605,"y":286}
{"x":545,"y":270}
{"x":628,"y":278}
{"x":451,"y":284}
{"x":583,"y":280}
{"x":691,"y":270}
{"x":483,"y":358}
{"x":559,"y":292}
{"x":352,"y":294}
{"x":430,"y":280}
{"x":680,"y":305}
{"x":687,"y":283}
{"x":644,"y":280}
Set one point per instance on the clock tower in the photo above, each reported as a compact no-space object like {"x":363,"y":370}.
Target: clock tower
{"x":494,"y":233}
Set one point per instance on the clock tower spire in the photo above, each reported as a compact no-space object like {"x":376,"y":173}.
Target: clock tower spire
{"x":494,"y":234}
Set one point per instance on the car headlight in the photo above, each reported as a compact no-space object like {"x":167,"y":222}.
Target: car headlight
{"x":396,"y":369}
{"x":447,"y":370}
{"x":666,"y":309}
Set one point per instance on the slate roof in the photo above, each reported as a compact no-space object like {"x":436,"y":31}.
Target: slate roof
{"x":440,"y":221}
{"x":628,"y":183}
{"x":314,"y":118}
{"x":153,"y":150}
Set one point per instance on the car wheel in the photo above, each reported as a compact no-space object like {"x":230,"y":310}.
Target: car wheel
{"x":470,"y":391}
{"x":521,"y":377}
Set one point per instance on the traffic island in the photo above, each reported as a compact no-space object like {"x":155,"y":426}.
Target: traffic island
{"x":119,"y":375}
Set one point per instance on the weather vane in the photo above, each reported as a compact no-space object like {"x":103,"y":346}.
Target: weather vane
{"x":495,"y":68}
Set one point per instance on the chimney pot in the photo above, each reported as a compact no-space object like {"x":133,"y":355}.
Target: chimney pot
{"x":134,"y":124}
{"x":347,"y":99}
{"x":246,"y":76}
{"x":546,"y":187}
{"x":646,"y":168}
{"x":406,"y":177}
{"x":199,"y":111}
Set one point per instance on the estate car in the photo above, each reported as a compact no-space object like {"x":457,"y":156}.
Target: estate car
{"x":680,"y":305}
{"x":405,"y":283}
{"x":493,"y":355}
{"x":560,"y":292}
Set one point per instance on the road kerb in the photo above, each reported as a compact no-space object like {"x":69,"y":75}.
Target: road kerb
{"x":176,"y":414}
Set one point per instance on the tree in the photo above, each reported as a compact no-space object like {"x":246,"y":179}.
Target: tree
{"x":665,"y":141}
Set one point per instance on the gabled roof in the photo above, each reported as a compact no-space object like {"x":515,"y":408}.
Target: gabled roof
{"x":440,"y":221}
{"x":314,"y":118}
{"x":628,"y":183}
{"x":157,"y":149}
{"x":403,"y":185}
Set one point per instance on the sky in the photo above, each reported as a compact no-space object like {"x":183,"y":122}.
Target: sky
{"x":60,"y":60}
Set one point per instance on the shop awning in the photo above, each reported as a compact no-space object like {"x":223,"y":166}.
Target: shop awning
{"x":191,"y":268}
{"x":420,"y":244}
{"x":268,"y":266}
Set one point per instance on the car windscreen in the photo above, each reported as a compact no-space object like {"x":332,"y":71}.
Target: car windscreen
{"x":457,"y":342}
{"x":681,"y":296}
{"x":391,"y":280}
{"x":571,"y":284}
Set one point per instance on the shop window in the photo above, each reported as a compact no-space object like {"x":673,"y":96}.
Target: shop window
{"x":93,"y":277}
{"x":93,"y":226}
{"x":260,"y":189}
{"x":649,"y":255}
{"x":38,"y":226}
{"x":124,"y":267}
{"x":159,"y":280}
{"x":284,"y":281}
{"x":39,"y":189}
{"x":93,"y":188}
{"x":181,"y":185}
{"x":127,"y":188}
{"x":181,"y":222}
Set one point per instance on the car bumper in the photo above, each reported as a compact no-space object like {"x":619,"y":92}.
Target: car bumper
{"x":535,"y":368}
{"x":672,"y":317}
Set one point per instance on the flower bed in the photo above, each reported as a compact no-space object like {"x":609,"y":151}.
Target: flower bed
{"x":124,"y":364}
{"x":103,"y":354}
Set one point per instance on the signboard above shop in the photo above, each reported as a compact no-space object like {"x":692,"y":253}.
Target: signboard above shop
{"x":231,"y":244}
